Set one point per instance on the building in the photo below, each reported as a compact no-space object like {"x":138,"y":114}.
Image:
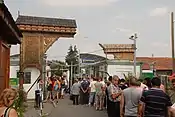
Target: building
{"x":30,"y":75}
{"x":160,"y":65}
{"x":9,"y":35}
{"x":100,"y":66}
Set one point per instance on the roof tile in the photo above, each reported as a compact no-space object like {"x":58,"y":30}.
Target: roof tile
{"x":44,"y":21}
{"x":160,"y":63}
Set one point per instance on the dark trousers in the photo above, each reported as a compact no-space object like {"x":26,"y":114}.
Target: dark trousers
{"x":84,"y":97}
{"x":75,"y":99}
{"x":113,"y":109}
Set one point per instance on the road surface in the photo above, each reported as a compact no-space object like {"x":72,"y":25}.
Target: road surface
{"x":65,"y":109}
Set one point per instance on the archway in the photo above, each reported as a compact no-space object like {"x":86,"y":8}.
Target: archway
{"x":39,"y":33}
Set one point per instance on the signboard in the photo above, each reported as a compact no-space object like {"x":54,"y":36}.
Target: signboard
{"x":14,"y":82}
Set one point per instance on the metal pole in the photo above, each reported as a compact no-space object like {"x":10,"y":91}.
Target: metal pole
{"x":21,"y":72}
{"x":172,"y":41}
{"x":44,"y":74}
{"x":135,"y":56}
{"x":79,"y":61}
{"x":71,"y":73}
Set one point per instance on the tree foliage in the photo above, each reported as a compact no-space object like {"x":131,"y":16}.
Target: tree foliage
{"x":58,"y":67}
{"x":72,"y":55}
{"x":72,"y":58}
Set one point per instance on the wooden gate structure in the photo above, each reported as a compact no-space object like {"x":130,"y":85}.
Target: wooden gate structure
{"x":9,"y":35}
{"x":120,"y":51}
{"x":39,"y":33}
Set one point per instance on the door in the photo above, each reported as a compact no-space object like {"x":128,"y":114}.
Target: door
{"x":3,"y":67}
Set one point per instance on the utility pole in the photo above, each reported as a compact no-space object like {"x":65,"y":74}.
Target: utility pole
{"x":172,"y":41}
{"x":44,"y":74}
{"x":71,"y":73}
{"x":79,"y":62}
{"x":133,"y":38}
{"x":21,"y":72}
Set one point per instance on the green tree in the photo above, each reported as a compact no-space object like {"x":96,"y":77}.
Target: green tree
{"x":58,"y":67}
{"x":72,"y":59}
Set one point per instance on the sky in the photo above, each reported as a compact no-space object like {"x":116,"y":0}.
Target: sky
{"x":105,"y":22}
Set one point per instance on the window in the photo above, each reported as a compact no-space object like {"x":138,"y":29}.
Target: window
{"x":27,"y":77}
{"x":17,"y":74}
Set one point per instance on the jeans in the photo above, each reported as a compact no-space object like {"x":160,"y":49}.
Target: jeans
{"x":91,"y":97}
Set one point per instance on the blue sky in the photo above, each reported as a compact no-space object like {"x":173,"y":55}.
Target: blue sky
{"x":106,"y":22}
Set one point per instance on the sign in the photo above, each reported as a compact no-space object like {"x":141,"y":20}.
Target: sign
{"x":14,"y":82}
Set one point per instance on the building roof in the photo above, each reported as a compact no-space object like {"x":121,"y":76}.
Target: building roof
{"x":160,"y":63}
{"x":91,"y":57}
{"x":11,"y":27}
{"x":44,"y":21}
{"x":115,"y":46}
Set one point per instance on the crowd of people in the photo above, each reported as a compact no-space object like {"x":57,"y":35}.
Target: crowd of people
{"x":125,"y":98}
{"x":120,"y":97}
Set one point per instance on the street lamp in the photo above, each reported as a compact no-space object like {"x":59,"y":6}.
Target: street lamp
{"x":133,"y":38}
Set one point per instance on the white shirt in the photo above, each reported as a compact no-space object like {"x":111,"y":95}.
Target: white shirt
{"x":92,"y":86}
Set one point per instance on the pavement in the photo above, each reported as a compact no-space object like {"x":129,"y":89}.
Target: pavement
{"x":64,"y":108}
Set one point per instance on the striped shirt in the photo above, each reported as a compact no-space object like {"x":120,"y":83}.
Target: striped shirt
{"x":156,"y":103}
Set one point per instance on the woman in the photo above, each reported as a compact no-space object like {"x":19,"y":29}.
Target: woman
{"x":63,"y":86}
{"x":114,"y":94}
{"x":7,"y":98}
{"x":57,"y":87}
{"x":50,"y":84}
{"x":75,"y":91}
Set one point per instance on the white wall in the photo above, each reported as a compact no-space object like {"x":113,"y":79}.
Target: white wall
{"x":122,"y":69}
{"x":34,"y":75}
{"x":13,"y":71}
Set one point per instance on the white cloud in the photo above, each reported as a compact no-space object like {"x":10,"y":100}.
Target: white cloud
{"x":159,"y":11}
{"x":123,"y":30}
{"x":159,"y":44}
{"x":78,"y":2}
{"x":119,"y":17}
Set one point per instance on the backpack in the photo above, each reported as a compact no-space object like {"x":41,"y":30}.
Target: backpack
{"x":56,"y":86}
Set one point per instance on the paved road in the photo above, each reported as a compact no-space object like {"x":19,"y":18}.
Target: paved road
{"x":66,"y":109}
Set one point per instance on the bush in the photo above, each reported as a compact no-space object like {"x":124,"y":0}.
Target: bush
{"x":20,"y":103}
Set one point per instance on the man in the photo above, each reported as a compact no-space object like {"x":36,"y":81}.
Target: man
{"x":171,"y":93}
{"x":92,"y":91}
{"x":156,"y":102}
{"x":131,"y":97}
